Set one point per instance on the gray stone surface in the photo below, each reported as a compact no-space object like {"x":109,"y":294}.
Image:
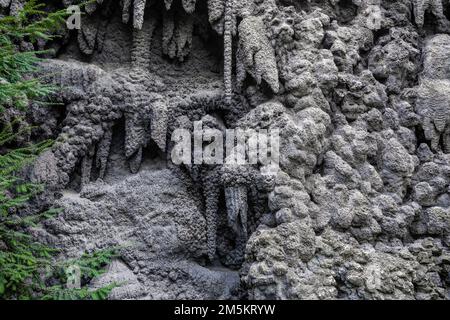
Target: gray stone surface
{"x":360,"y":93}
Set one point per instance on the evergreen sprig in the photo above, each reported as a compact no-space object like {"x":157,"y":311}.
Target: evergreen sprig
{"x":26,"y":265}
{"x":29,"y":25}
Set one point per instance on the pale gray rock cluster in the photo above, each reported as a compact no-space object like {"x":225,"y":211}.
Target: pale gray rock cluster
{"x":360,"y":93}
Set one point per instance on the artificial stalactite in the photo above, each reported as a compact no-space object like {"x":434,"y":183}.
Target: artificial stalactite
{"x":178,"y":28}
{"x":228,"y":51}
{"x":126,"y":4}
{"x":189,"y":5}
{"x":237,"y":210}
{"x":211,"y":192}
{"x":421,"y":6}
{"x":86,"y":166}
{"x":138,"y":13}
{"x":103,"y":149}
{"x":255,"y":55}
{"x":363,"y":180}
{"x":142,"y":38}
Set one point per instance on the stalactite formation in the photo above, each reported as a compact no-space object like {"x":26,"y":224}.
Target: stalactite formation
{"x":144,"y":112}
{"x":255,"y":55}
{"x":432,"y":101}
{"x":359,"y":206}
{"x":177,"y":34}
{"x":138,"y":13}
{"x":103,"y":149}
{"x":142,"y":41}
{"x":211,"y":194}
{"x":216,"y":9}
{"x":86,"y":166}
{"x":228,"y":49}
{"x":421,"y":6}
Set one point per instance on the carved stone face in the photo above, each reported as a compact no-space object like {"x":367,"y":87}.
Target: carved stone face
{"x":282,"y":25}
{"x":283,"y":29}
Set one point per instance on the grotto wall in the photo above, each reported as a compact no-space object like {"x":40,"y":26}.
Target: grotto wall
{"x":359,"y":91}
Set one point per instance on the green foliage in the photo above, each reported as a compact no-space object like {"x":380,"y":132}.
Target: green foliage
{"x":21,"y":258}
{"x":24,"y":25}
{"x":61,"y":293}
{"x":90,"y":266}
{"x":27,"y":266}
{"x":21,"y":261}
{"x":28,"y":26}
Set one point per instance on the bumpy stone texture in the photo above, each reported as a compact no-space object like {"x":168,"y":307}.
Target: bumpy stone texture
{"x":159,"y":229}
{"x":359,"y":91}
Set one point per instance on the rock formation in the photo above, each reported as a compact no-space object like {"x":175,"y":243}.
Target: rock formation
{"x":359,"y":91}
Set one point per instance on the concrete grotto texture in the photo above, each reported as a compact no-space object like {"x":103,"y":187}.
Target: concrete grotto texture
{"x":360,"y":93}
